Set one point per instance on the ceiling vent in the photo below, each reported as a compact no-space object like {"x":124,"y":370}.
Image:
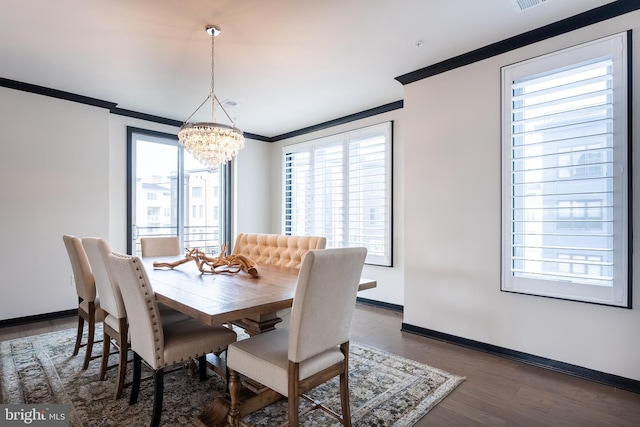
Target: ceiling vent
{"x":522,"y":5}
{"x":229,"y":103}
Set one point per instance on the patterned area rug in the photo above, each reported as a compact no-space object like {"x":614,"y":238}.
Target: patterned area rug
{"x":385,"y":390}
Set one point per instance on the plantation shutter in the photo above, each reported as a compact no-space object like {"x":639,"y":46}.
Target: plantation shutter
{"x":369,"y":192}
{"x":339,"y":187}
{"x":328,"y":190}
{"x":565,"y":232}
{"x":562,"y":162}
{"x":297,"y":192}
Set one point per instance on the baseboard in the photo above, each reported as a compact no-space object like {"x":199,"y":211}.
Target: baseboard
{"x":554,"y":365}
{"x":38,"y":318}
{"x":388,"y":306}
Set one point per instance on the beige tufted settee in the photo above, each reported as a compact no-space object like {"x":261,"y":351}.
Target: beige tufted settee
{"x":276,"y":249}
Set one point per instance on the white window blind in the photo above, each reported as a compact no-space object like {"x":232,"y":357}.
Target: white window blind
{"x":339,"y":187}
{"x":565,"y":223}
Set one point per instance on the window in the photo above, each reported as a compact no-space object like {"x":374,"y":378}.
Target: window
{"x":565,"y":152}
{"x":172,"y":194}
{"x":339,"y":187}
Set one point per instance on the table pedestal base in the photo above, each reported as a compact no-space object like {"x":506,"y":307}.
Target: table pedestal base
{"x":216,"y":415}
{"x":258,"y":324}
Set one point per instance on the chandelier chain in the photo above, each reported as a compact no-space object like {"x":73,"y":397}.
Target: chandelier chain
{"x":213,"y":144}
{"x":213,"y":97}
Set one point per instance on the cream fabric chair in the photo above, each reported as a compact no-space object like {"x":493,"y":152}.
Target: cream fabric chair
{"x":115,"y":325}
{"x":88,"y":304}
{"x":160,"y":345}
{"x":160,"y":246}
{"x":315,"y":348}
{"x":115,"y":322}
{"x":276,"y":249}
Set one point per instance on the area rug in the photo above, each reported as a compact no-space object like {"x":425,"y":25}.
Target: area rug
{"x":385,"y":390}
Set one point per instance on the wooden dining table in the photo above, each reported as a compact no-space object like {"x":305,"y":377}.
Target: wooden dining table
{"x":247,"y":301}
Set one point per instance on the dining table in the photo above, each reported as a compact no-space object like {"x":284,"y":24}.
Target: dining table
{"x":218,"y":298}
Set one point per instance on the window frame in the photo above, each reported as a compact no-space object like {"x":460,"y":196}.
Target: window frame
{"x":618,"y":47}
{"x":224,"y":192}
{"x":340,"y":142}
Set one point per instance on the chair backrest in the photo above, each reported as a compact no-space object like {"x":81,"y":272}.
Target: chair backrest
{"x":277,"y":249}
{"x":145,"y":327}
{"x":160,"y":246}
{"x":98,"y":251}
{"x":324,"y":301}
{"x":82,"y":274}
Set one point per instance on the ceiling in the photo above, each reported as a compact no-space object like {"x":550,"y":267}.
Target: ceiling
{"x":288,"y":64}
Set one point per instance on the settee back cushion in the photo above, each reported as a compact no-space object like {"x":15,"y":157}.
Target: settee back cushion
{"x":277,"y":249}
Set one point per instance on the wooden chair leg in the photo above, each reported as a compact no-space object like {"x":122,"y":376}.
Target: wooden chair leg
{"x":76,"y":349}
{"x":122,"y":359}
{"x":106,"y":346}
{"x":344,"y":399}
{"x":202,"y":367}
{"x":157,"y":399}
{"x":344,"y":387}
{"x":233,"y":381}
{"x":294,"y":396}
{"x":90,"y":337}
{"x":293,"y":411}
{"x":137,"y":374}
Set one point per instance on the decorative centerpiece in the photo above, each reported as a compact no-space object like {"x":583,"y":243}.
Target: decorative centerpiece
{"x":230,"y":264}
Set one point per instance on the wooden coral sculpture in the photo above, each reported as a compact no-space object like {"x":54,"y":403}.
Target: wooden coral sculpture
{"x":231,"y":264}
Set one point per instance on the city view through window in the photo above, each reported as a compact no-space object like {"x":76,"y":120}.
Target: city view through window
{"x":175,"y":201}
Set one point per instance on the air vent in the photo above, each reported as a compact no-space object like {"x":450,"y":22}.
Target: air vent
{"x":228,"y":103}
{"x":522,"y":5}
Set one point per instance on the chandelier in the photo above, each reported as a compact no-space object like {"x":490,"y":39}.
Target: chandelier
{"x":213,"y":144}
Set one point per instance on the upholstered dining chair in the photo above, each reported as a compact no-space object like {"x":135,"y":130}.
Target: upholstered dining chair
{"x":160,"y":345}
{"x":315,"y":346}
{"x":160,"y":246}
{"x":115,"y":327}
{"x":115,"y":322}
{"x":89,"y":309}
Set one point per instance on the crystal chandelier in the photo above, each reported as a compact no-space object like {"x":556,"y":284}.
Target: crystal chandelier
{"x":213,"y":144}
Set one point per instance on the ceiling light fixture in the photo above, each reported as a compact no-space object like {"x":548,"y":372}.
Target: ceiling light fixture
{"x":213,"y":144}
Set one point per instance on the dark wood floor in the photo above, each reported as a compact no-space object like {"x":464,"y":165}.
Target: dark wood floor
{"x":496,"y":392}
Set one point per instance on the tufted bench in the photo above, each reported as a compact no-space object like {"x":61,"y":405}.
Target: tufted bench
{"x":276,"y":249}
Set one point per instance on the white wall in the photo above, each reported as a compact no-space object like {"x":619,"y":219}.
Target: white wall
{"x":253,"y":196}
{"x":55,"y":180}
{"x":452,"y":245}
{"x":390,"y":280}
